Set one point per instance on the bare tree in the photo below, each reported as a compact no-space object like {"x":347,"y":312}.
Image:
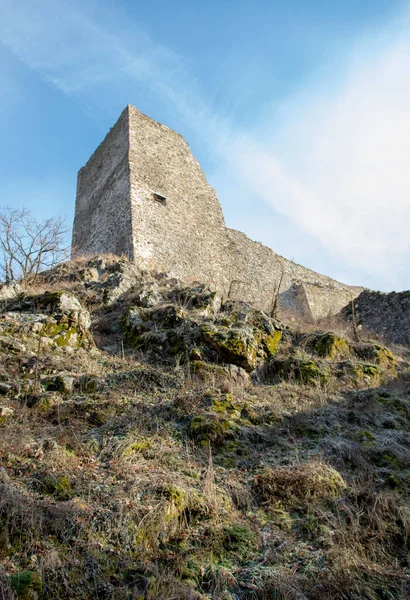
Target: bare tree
{"x":27,"y":245}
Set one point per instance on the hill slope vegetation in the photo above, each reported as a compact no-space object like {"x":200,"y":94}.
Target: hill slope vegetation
{"x":159,"y":442}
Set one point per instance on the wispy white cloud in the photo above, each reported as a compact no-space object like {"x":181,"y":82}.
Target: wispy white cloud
{"x":338,"y":169}
{"x":344,"y":177}
{"x":98,"y":59}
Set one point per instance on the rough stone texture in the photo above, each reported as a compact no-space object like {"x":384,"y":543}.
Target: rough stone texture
{"x":57,"y":318}
{"x":256,"y":272}
{"x":387,"y":315}
{"x":189,"y":324}
{"x":102,"y":212}
{"x":185,"y":235}
{"x":182,"y":231}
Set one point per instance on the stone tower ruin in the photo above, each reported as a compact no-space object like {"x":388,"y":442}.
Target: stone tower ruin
{"x":143,"y":194}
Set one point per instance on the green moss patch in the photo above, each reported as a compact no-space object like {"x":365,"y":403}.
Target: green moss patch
{"x":58,"y":486}
{"x":62,"y":333}
{"x":238,"y":538}
{"x":299,"y":370}
{"x":365,"y":373}
{"x":209,"y":427}
{"x":374,"y":353}
{"x":271,"y":342}
{"x":27,"y":585}
{"x":232,"y":345}
{"x":328,"y":345}
{"x":137,"y":447}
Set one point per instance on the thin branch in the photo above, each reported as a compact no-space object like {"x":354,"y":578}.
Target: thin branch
{"x":27,"y":245}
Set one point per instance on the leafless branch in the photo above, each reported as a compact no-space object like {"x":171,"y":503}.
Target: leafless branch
{"x":274,"y":313}
{"x":27,"y":245}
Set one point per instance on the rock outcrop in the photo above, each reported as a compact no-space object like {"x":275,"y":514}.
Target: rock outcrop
{"x":191,"y":323}
{"x":55,"y":318}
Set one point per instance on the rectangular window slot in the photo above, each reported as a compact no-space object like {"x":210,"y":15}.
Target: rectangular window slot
{"x":159,"y":197}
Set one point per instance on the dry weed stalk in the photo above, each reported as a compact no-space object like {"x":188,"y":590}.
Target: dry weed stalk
{"x":356,"y":334}
{"x":209,"y":487}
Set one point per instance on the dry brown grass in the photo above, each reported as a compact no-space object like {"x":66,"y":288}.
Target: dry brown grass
{"x":309,"y":481}
{"x":332,"y":323}
{"x":303,"y":496}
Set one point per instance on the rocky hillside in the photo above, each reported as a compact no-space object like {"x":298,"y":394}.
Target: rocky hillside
{"x":159,"y":442}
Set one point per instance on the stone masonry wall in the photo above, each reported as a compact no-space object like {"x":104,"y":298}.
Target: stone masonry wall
{"x":118,"y":210}
{"x":256,"y":272}
{"x":387,"y":315}
{"x":185,"y":234}
{"x":102,"y":221}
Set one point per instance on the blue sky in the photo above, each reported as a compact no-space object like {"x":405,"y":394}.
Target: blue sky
{"x":298,"y":111}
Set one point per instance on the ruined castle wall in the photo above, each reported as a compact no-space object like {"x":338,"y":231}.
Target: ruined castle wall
{"x":327,"y":300}
{"x":103,"y":213}
{"x":185,"y":234}
{"x":258,"y":271}
{"x":143,"y":194}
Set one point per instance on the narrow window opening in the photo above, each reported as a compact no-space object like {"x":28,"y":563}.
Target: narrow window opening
{"x":159,"y":197}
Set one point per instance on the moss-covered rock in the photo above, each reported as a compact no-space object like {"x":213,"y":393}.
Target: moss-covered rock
{"x":371,"y":375}
{"x":175,"y":495}
{"x":44,"y":401}
{"x":149,"y":297}
{"x":61,"y":333}
{"x":200,"y":298}
{"x":55,"y":303}
{"x":218,"y":375}
{"x":225,"y":404}
{"x":271,"y":342}
{"x":374,"y":353}
{"x":137,"y":447}
{"x":328,"y":345}
{"x":163,"y":331}
{"x":299,"y":370}
{"x":233,"y":345}
{"x":58,"y":383}
{"x":162,"y":521}
{"x":189,"y":325}
{"x":56,"y":316}
{"x":58,"y":486}
{"x":210,"y":427}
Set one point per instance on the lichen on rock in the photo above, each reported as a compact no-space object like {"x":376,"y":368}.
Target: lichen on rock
{"x":232,"y":345}
{"x":58,"y":316}
{"x":328,"y":345}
